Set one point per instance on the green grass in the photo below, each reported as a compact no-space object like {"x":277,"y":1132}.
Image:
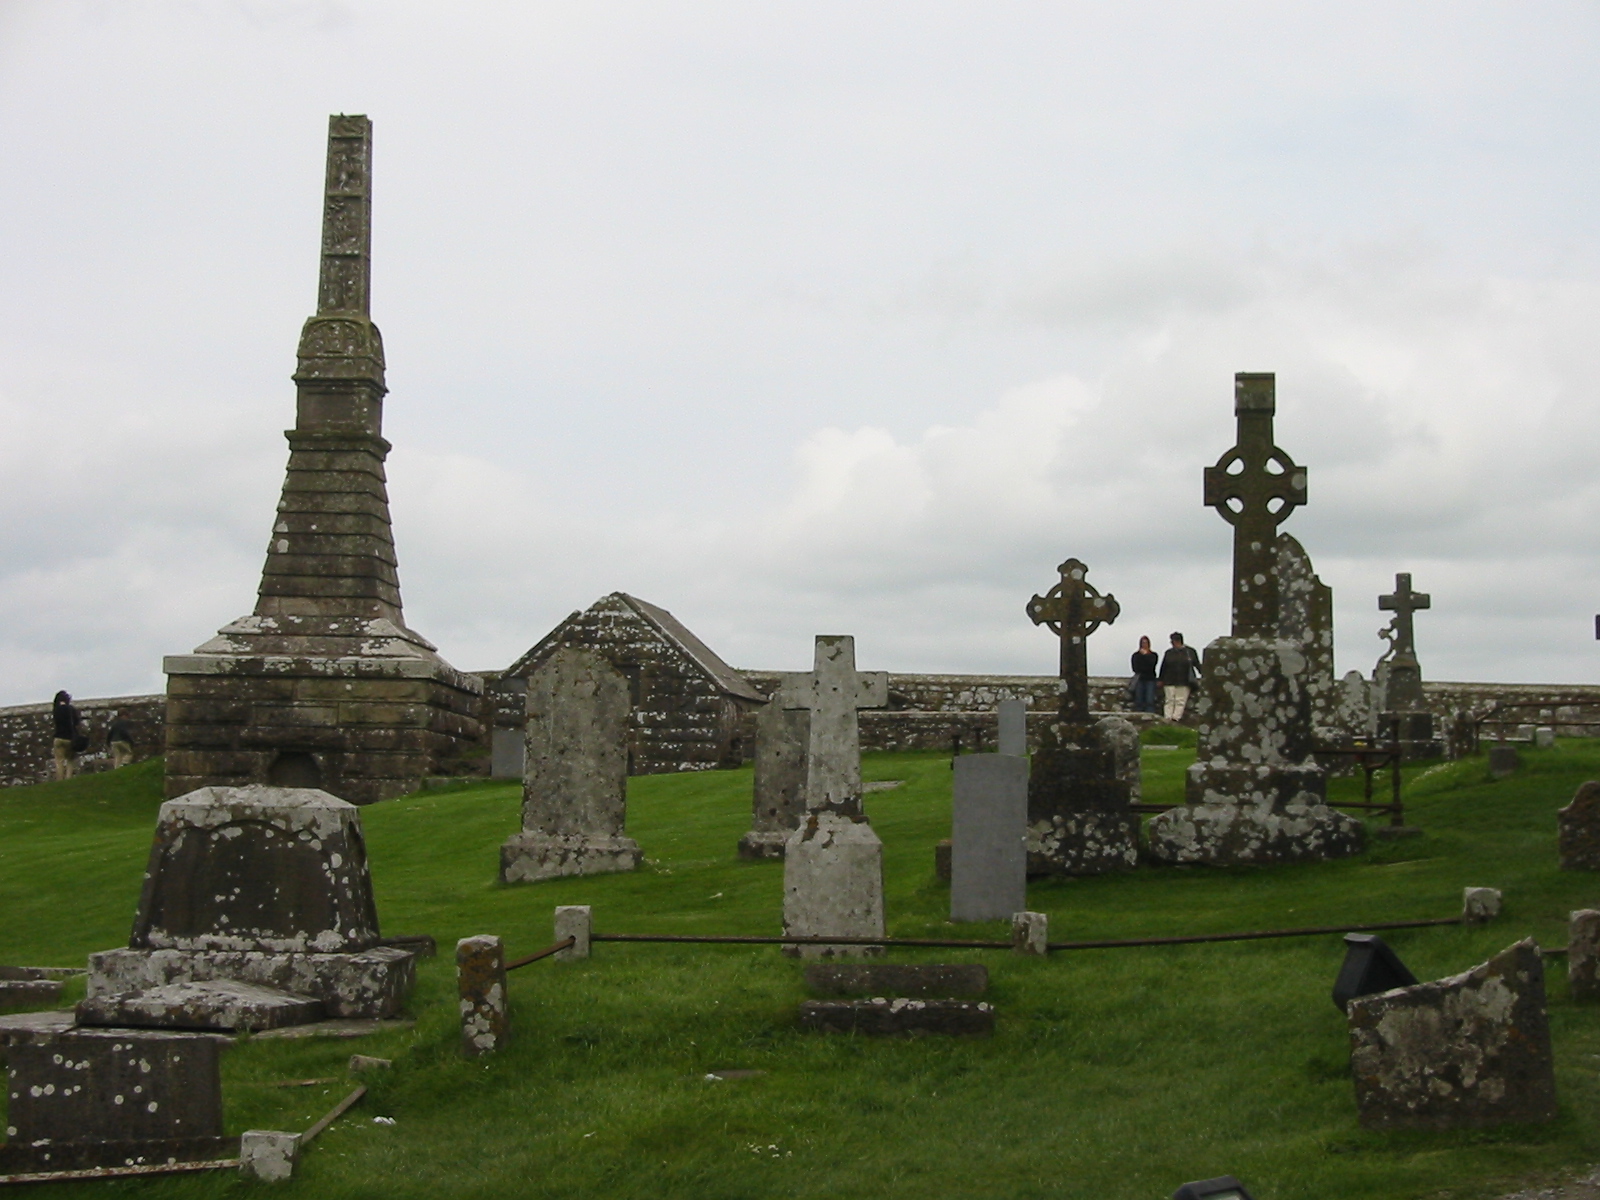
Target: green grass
{"x":1113,"y":1073}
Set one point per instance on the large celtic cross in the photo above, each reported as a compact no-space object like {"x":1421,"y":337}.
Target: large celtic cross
{"x":1073,"y":609}
{"x":1402,"y":603}
{"x":1254,"y":487}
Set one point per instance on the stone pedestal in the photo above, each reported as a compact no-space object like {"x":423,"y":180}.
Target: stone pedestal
{"x":1254,"y":794}
{"x":256,"y":912}
{"x":779,"y":803}
{"x":1078,"y":817}
{"x":833,"y":884}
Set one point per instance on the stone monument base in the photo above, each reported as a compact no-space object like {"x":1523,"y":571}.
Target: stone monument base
{"x":1261,"y":814}
{"x":529,"y":856}
{"x":1414,"y":731}
{"x":833,"y":885}
{"x":1093,"y":841}
{"x":764,"y":843}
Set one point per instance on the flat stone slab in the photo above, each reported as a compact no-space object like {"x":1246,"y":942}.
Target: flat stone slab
{"x":221,"y":1004}
{"x":19,"y":1026}
{"x":897,"y":979}
{"x":337,"y":1028}
{"x":29,"y":993}
{"x":882,"y":1017}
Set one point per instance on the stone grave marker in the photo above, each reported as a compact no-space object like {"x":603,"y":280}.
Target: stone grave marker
{"x":1583,"y":954}
{"x":1544,"y":737}
{"x":1405,"y":717}
{"x":1305,"y":617}
{"x":988,"y":837}
{"x":1123,"y":737}
{"x":482,"y":996}
{"x":1255,"y":794}
{"x":1459,"y":1053}
{"x":256,"y":912}
{"x":1578,"y":826}
{"x":1012,"y":719}
{"x":833,"y":863}
{"x":575,"y":792}
{"x":1078,"y":818}
{"x":783,"y":736}
{"x":1503,"y":760}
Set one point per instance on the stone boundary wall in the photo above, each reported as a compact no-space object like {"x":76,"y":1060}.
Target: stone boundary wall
{"x":925,"y":710}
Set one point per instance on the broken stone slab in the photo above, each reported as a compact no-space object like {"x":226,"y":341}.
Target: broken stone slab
{"x":882,"y":1017}
{"x":21,"y":1026}
{"x":337,"y":1028}
{"x":481,"y":987}
{"x":1030,"y":933}
{"x":1578,"y":825}
{"x":833,"y":885}
{"x":18,"y":994}
{"x":268,"y":1154}
{"x":1123,"y":737}
{"x":368,"y":1062}
{"x":1465,"y":1052}
{"x":221,"y":1004}
{"x":373,"y":984}
{"x":897,"y":979}
{"x":100,"y":1098}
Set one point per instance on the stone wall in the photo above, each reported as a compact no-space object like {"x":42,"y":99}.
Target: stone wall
{"x":26,"y":735}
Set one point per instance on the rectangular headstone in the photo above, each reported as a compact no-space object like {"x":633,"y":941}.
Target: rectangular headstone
{"x":1013,"y":718}
{"x":988,"y":831}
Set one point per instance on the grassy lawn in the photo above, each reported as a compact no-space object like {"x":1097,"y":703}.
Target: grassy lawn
{"x":1114,"y":1074}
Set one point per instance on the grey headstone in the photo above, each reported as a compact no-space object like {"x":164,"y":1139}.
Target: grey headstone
{"x":1578,"y":829}
{"x":1503,"y":760}
{"x":1461,"y":1053}
{"x":1583,"y":954}
{"x":1305,"y":617}
{"x":882,"y":1017}
{"x":1353,"y":714}
{"x":1544,"y":737}
{"x":1013,"y":719}
{"x":508,"y":754}
{"x":988,"y":832}
{"x":897,"y":979}
{"x":783,"y":736}
{"x":574,"y":793}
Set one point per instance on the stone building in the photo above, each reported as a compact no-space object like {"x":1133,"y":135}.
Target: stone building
{"x":324,"y":685}
{"x":691,"y":710}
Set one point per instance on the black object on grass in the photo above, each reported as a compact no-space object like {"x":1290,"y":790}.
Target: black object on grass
{"x":1370,"y":966}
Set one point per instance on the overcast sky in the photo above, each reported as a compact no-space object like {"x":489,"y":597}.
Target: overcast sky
{"x":809,"y":317}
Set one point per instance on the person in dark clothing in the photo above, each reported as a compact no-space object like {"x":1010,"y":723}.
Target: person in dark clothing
{"x":1144,"y":677}
{"x":1180,"y":668}
{"x":65,"y":747}
{"x":119,"y":740}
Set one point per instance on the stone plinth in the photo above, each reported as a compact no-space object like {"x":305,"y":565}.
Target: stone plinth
{"x":779,"y":802}
{"x":102,"y":1098}
{"x":1255,"y":795}
{"x":832,"y":884}
{"x":897,"y":979}
{"x":1579,"y":829}
{"x":575,"y":792}
{"x":1078,"y":818}
{"x":988,"y":827}
{"x":1465,"y":1052}
{"x":882,"y":1017}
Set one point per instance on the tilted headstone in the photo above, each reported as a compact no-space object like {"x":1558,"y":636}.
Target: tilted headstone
{"x":1583,"y":954}
{"x":988,"y":837}
{"x":1578,"y":826}
{"x":1404,"y":716}
{"x":1078,"y":818}
{"x":256,"y":912}
{"x":1305,"y":617}
{"x":833,"y":863}
{"x":1460,"y":1053}
{"x":110,"y":1098}
{"x":783,"y":737}
{"x":575,"y":792}
{"x":1255,"y":794}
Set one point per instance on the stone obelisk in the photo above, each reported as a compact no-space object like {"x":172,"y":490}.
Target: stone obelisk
{"x":324,"y":685}
{"x":1254,"y":793}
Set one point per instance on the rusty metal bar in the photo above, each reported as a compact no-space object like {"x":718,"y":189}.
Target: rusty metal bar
{"x":217,"y":1164}
{"x":563,"y":944}
{"x":1194,"y":939}
{"x":334,"y":1113}
{"x":797,"y":940}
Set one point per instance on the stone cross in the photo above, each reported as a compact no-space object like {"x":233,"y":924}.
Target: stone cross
{"x":1403,"y":602}
{"x":833,"y":691}
{"x":1254,"y":487}
{"x":1074,"y":609}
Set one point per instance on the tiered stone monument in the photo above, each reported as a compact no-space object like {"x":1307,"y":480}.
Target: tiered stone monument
{"x":1254,"y":793}
{"x":1404,"y":715}
{"x":783,"y":737}
{"x":324,"y":685}
{"x":575,"y":790}
{"x":1079,"y":822}
{"x":833,"y":863}
{"x":256,"y":912}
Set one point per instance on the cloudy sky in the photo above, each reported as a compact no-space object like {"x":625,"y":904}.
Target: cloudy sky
{"x":809,"y":317}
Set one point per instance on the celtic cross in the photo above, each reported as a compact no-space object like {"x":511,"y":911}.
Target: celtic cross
{"x":1254,"y":487}
{"x":1074,"y":609}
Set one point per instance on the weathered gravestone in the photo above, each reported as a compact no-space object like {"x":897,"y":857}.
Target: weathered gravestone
{"x":1503,"y":760}
{"x":988,"y":836}
{"x":1583,"y":954}
{"x":481,"y":995}
{"x":1465,"y":1052}
{"x":1305,"y":617}
{"x":1255,"y":794}
{"x":112,"y":1098}
{"x":1078,"y":817}
{"x":833,"y":863}
{"x":1123,"y":737}
{"x":575,"y":792}
{"x":256,"y":912}
{"x":1352,"y":714}
{"x":783,"y":736}
{"x":324,"y":685}
{"x":1579,"y":829}
{"x":1404,"y":717}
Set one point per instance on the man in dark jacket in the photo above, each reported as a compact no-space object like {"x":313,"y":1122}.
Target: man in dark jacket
{"x":1180,"y":668}
{"x":65,"y":748}
{"x":119,"y":740}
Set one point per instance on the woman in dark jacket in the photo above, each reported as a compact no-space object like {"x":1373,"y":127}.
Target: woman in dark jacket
{"x":1144,"y":677}
{"x":65,"y":747}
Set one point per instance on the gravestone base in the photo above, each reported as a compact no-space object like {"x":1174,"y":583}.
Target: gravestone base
{"x":371,"y":984}
{"x":1415,"y":733}
{"x":529,"y":856}
{"x":1255,"y":815}
{"x":224,"y":1004}
{"x":1090,"y":842}
{"x":764,"y":843}
{"x":882,"y":1017}
{"x":833,"y":885}
{"x":1078,"y":818}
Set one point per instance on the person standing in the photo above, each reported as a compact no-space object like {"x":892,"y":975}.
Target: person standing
{"x":119,"y":739}
{"x":1180,"y":667}
{"x":65,"y":748}
{"x":1144,"y":677}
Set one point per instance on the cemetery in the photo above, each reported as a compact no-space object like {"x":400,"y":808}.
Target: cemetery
{"x":711,"y":938}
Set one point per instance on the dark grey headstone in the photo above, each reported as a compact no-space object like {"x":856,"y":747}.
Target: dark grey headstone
{"x":897,"y":979}
{"x":1583,"y":954}
{"x":1465,"y":1052}
{"x":1579,"y":829}
{"x":988,"y":830}
{"x":1503,"y":760}
{"x":898,"y":1018}
{"x":1013,"y":720}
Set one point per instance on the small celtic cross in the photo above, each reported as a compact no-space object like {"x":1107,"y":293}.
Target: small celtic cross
{"x":1074,"y":609}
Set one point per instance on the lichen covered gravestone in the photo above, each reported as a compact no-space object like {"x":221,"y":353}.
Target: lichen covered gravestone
{"x":575,"y":792}
{"x":1465,"y":1052}
{"x":1255,"y":794}
{"x":1305,"y":617}
{"x":256,"y":912}
{"x":1583,"y":954}
{"x":481,"y":995}
{"x":783,"y":736}
{"x":1579,"y":825}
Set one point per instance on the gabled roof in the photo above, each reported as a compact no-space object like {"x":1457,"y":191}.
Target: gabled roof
{"x":671,"y":630}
